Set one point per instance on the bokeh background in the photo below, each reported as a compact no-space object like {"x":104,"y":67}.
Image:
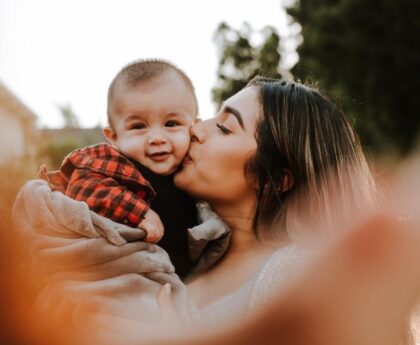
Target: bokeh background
{"x":57,"y":58}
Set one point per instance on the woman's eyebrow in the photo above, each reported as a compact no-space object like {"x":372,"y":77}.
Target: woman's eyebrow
{"x":236,"y":113}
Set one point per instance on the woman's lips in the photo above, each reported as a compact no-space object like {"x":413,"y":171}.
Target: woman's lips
{"x":188,"y":159}
{"x":159,"y":156}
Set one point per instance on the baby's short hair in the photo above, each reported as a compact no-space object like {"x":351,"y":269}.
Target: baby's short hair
{"x":144,"y":71}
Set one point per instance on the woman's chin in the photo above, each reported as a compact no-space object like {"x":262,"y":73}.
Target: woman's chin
{"x":182,"y":177}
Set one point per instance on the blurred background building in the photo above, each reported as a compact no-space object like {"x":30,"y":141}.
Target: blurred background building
{"x":18,"y":131}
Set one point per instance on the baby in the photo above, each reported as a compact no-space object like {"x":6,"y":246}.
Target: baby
{"x":151,"y":106}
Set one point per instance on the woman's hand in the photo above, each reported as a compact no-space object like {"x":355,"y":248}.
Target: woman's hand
{"x":168,"y":313}
{"x":175,"y":307}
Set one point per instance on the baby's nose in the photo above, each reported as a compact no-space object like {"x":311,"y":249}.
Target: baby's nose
{"x":156,"y":137}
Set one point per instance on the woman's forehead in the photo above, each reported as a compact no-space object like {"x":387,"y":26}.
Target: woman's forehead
{"x":246,"y":102}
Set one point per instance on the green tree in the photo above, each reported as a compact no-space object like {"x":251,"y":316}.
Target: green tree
{"x":240,"y":60}
{"x":53,"y":151}
{"x":69,"y":116}
{"x":55,"y":144}
{"x":368,"y":54}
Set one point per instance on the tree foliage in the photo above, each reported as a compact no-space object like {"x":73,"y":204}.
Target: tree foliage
{"x":241,"y":59}
{"x":368,"y":54}
{"x":55,"y":144}
{"x":53,"y":152}
{"x":69,"y":116}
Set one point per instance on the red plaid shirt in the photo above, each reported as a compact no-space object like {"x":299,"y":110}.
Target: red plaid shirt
{"x":106,"y":180}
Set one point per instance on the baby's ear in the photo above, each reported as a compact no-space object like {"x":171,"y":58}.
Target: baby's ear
{"x":110,"y":135}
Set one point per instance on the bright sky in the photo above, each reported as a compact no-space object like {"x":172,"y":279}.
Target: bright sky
{"x":67,"y":52}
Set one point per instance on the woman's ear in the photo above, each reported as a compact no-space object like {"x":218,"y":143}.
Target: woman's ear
{"x":110,"y":136}
{"x":288,"y":181}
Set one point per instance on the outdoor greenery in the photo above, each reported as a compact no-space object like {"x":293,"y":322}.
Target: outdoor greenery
{"x":363,"y":54}
{"x":55,"y":144}
{"x":240,"y":60}
{"x":69,"y":116}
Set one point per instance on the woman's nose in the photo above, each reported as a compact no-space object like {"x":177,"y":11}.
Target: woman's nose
{"x":197,"y":131}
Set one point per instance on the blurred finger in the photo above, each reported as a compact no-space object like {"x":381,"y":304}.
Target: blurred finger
{"x":168,"y":314}
{"x":179,"y":295}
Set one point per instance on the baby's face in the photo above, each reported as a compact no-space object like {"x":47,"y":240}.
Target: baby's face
{"x":152,"y":123}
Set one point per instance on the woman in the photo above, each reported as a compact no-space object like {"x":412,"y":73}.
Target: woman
{"x":281,"y":165}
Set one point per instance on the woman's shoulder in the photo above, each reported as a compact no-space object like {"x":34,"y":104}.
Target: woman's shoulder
{"x":284,"y":258}
{"x":275,"y":275}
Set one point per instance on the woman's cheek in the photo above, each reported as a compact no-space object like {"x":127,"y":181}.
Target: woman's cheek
{"x":224,"y":167}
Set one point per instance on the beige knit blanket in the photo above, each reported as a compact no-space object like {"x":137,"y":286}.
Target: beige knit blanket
{"x":88,"y":263}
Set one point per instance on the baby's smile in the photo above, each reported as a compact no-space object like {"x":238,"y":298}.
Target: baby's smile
{"x":159,"y":156}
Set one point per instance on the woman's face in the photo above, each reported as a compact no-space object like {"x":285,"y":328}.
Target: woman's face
{"x":214,"y":169}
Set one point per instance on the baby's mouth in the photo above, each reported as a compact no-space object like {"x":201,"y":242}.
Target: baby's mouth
{"x":159,"y":156}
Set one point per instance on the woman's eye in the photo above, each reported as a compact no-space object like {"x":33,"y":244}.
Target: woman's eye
{"x":223,"y":129}
{"x":172,"y":124}
{"x":137,"y":126}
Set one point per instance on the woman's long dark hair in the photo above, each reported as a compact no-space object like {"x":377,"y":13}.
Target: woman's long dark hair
{"x":309,"y":166}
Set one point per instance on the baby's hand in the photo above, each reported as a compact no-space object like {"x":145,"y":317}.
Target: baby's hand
{"x":153,"y":226}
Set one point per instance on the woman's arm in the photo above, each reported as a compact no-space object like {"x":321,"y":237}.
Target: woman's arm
{"x":79,"y":269}
{"x":359,"y":292}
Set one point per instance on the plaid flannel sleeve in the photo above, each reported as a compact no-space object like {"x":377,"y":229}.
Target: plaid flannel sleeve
{"x":107,"y":197}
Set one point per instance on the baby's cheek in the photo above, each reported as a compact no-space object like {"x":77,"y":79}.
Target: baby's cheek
{"x":181,"y":143}
{"x":132,"y":148}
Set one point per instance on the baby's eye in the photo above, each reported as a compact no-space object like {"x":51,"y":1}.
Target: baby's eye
{"x":137,"y":126}
{"x":223,"y":129}
{"x":171,"y":123}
